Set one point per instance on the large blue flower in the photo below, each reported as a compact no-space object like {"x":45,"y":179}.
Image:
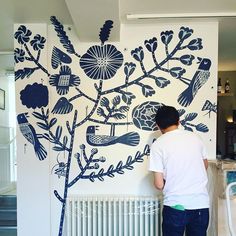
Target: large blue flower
{"x":38,"y":42}
{"x":22,"y":35}
{"x":144,"y":115}
{"x":19,"y":55}
{"x":64,"y":80}
{"x":34,"y":96}
{"x":101,"y":62}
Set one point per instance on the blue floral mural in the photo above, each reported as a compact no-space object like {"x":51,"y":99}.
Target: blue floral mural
{"x":112,"y":107}
{"x":34,"y":96}
{"x":101,"y":62}
{"x":64,"y":80}
{"x":210,"y":107}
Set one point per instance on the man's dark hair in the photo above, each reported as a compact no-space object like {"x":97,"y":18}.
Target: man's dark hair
{"x":167,"y":116}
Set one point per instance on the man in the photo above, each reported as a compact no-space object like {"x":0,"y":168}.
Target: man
{"x":178,"y":160}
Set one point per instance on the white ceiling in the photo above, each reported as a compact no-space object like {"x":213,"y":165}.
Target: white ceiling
{"x":88,"y":15}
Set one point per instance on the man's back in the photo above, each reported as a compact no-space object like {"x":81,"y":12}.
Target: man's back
{"x":178,"y":162}
{"x":179,"y":155}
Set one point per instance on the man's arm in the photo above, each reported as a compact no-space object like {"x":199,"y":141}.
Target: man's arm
{"x":159,"y":181}
{"x":205,"y":163}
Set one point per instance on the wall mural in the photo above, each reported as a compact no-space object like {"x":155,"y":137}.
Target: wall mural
{"x":101,"y":63}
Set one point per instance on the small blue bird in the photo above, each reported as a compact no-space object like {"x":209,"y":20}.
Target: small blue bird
{"x":199,"y":79}
{"x":29,"y":133}
{"x":131,"y":138}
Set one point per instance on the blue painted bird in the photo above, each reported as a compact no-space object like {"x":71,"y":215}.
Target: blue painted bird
{"x":29,"y":133}
{"x":131,"y":138}
{"x":199,"y":79}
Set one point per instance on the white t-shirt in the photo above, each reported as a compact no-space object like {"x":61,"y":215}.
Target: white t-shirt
{"x":179,"y":155}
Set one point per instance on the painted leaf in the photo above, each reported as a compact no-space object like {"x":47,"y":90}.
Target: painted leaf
{"x":38,"y":115}
{"x":100,"y":178}
{"x":202,"y":128}
{"x":118,"y":116}
{"x":65,"y":140}
{"x":46,"y":136}
{"x":24,"y":73}
{"x":123,"y":109}
{"x":59,"y":28}
{"x":58,"y":148}
{"x":147,"y":90}
{"x":161,"y":82}
{"x":91,"y":177}
{"x":47,"y":112}
{"x":104,"y":102}
{"x":177,"y":72}
{"x":53,"y":122}
{"x":137,"y":155}
{"x":127,"y":97}
{"x":110,"y":169}
{"x":191,"y":116}
{"x":146,"y":150}
{"x":105,"y":31}
{"x":139,"y":159}
{"x":129,"y":167}
{"x":101,"y":171}
{"x":111,"y":175}
{"x":188,"y":128}
{"x":181,"y":112}
{"x":42,"y":126}
{"x":101,"y":112}
{"x":116,"y":100}
{"x":119,"y":165}
{"x":58,"y":132}
{"x":187,"y":59}
{"x":195,"y":44}
{"x":129,"y":160}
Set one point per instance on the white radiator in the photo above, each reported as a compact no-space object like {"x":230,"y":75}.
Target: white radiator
{"x":113,"y":216}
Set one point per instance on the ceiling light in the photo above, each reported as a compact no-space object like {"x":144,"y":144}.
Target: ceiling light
{"x":181,"y":15}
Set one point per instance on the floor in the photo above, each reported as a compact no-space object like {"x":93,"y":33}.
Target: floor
{"x":223,"y":229}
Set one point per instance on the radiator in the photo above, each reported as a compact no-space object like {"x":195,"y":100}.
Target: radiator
{"x":113,"y":216}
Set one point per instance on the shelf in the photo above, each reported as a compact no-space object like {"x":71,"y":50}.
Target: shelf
{"x":225,"y":94}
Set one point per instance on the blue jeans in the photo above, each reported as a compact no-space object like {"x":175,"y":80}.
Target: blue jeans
{"x":192,"y":222}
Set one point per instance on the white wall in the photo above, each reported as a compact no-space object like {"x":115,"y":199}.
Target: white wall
{"x":37,"y":179}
